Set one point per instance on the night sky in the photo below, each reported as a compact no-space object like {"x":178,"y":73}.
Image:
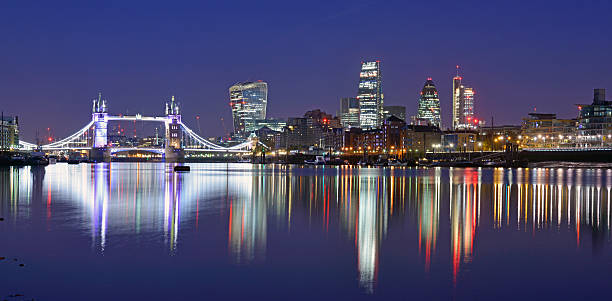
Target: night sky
{"x":55,"y":57}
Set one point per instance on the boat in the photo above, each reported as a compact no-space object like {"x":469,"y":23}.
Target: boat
{"x":37,"y":158}
{"x":52,"y":159}
{"x":319,"y":160}
{"x":380,"y":163}
{"x":17,"y":159}
{"x":493,"y":164}
{"x":395,"y":162}
{"x":76,"y":158}
{"x":335,"y":161}
{"x":182,"y":168}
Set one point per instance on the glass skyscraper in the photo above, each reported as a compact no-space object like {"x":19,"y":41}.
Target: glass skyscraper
{"x":248,"y":101}
{"x":349,"y":112}
{"x":463,"y":105}
{"x":429,"y":104}
{"x":370,"y":95}
{"x":456,"y":102}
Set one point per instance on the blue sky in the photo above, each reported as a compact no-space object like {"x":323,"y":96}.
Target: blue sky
{"x":517,"y":55}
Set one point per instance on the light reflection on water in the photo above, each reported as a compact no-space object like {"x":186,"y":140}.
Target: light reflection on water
{"x":150,"y":201}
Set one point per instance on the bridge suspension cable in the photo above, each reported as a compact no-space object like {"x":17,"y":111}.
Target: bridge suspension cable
{"x":75,"y":141}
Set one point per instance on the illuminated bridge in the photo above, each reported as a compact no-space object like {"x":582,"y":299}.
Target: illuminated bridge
{"x":93,"y":137}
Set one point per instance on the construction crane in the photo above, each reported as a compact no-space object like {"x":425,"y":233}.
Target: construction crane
{"x":198,"y":122}
{"x":224,"y":127}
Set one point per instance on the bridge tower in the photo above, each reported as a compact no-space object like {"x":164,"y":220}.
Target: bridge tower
{"x":174,"y":146}
{"x":99,"y":115}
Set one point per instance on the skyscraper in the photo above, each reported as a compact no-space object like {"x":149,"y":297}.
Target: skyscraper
{"x":349,"y":112}
{"x":429,"y":104}
{"x":463,"y":105}
{"x":370,"y":95}
{"x":456,"y":102}
{"x":248,"y":101}
{"x":467,"y":102}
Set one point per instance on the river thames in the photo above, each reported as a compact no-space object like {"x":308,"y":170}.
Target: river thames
{"x":233,"y":231}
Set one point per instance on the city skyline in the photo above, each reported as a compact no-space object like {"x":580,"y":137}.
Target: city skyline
{"x":55,"y":65}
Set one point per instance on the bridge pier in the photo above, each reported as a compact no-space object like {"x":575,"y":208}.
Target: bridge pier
{"x":174,"y":155}
{"x":100,"y":154}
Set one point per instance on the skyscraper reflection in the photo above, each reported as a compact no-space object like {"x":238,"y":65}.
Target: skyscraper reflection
{"x":429,"y":216}
{"x":371,"y":227}
{"x":248,"y":221}
{"x":464,"y":215}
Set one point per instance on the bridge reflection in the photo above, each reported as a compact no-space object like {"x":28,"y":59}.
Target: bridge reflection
{"x":112,"y":200}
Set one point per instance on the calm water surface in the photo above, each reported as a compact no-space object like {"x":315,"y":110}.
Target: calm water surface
{"x":235,"y":231}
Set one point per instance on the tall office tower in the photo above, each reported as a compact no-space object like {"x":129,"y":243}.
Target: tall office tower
{"x":248,"y":101}
{"x":463,"y":105}
{"x":429,"y":104}
{"x":370,"y":95}
{"x":456,"y":99}
{"x":349,"y":112}
{"x":397,"y":111}
{"x":467,"y":100}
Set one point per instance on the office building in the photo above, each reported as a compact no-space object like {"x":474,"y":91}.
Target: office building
{"x":275,"y":124}
{"x":429,"y":104}
{"x":323,"y":119}
{"x":595,"y":121}
{"x":9,"y":133}
{"x":463,"y":105}
{"x":397,"y":111}
{"x":542,"y":130}
{"x":349,"y":112}
{"x":248,"y":101}
{"x":370,"y":95}
{"x":456,"y":104}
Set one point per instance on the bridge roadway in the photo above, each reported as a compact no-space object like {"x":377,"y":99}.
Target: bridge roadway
{"x":138,"y":117}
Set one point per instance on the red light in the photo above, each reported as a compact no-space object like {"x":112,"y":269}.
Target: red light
{"x":579,"y":108}
{"x":50,"y":139}
{"x":475,"y":121}
{"x":429,"y":78}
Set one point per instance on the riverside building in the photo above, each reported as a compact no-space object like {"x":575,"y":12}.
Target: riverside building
{"x":595,"y":121}
{"x":9,"y":133}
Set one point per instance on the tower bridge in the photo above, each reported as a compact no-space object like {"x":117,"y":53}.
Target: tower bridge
{"x":93,"y":137}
